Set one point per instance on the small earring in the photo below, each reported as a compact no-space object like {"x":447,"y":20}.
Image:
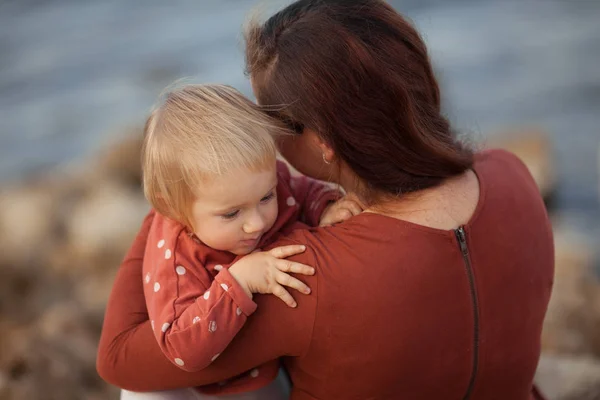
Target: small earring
{"x":325,"y":160}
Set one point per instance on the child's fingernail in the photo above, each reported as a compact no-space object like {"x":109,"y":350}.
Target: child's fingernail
{"x":294,"y":305}
{"x":303,"y":247}
{"x":307,"y":290}
{"x":312,"y":271}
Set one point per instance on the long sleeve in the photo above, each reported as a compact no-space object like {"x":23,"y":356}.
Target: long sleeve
{"x":311,"y":195}
{"x":193,"y":316}
{"x":193,"y":319}
{"x":129,"y":356}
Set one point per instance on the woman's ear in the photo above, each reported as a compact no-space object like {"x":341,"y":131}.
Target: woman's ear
{"x":307,"y":152}
{"x":326,"y":150}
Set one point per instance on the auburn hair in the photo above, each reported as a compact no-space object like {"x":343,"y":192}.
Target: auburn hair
{"x":358,"y":73}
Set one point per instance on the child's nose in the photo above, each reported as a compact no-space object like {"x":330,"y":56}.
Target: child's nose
{"x":255,"y":224}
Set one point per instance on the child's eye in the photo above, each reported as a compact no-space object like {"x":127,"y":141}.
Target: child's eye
{"x":267,"y":197}
{"x":231,"y":215}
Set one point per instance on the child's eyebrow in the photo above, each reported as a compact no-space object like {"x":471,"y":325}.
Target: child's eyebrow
{"x":225,"y":210}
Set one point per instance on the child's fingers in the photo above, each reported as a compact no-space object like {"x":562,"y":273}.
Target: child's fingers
{"x":353,"y":207}
{"x":284,"y":295}
{"x":287,"y":280}
{"x":331,"y":218}
{"x":341,"y":214}
{"x":287,"y":251}
{"x":295,"y":267}
{"x":325,"y":222}
{"x":342,"y":211}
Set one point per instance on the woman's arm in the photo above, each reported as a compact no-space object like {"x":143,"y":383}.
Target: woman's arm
{"x":129,"y":357}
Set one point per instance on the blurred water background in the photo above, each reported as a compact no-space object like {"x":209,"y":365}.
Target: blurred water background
{"x":73,"y":72}
{"x":76,"y":75}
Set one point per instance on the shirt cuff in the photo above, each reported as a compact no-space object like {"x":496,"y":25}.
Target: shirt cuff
{"x":235,"y":291}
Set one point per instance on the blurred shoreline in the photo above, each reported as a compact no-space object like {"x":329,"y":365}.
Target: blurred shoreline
{"x":77,"y":80}
{"x":73,"y":74}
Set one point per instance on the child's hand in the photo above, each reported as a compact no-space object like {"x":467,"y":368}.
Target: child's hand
{"x":267,"y":272}
{"x":341,"y":210}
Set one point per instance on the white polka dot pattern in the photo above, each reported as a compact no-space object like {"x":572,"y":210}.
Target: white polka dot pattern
{"x":161,"y":243}
{"x":147,"y":279}
{"x":225,"y":287}
{"x":156,"y":286}
{"x":238,"y":311}
{"x":165,"y":326}
{"x":180,"y":270}
{"x":291,"y":201}
{"x":196,"y":320}
{"x":179,"y":362}
{"x":206,"y":295}
{"x":215,"y":357}
{"x":218,"y":267}
{"x":254,"y":373}
{"x":167,"y":254}
{"x":212,"y":326}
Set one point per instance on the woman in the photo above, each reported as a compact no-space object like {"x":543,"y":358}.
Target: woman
{"x":437,"y":290}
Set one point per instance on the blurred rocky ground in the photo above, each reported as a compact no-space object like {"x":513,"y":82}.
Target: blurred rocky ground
{"x":63,"y":235}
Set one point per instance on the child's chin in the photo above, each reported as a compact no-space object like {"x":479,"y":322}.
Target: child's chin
{"x":243,"y":251}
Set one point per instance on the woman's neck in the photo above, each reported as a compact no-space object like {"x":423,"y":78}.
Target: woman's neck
{"x":445,"y":206}
{"x":386,"y":204}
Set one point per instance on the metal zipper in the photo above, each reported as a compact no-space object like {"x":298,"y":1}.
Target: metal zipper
{"x":462,"y":242}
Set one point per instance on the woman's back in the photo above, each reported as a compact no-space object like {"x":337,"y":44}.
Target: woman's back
{"x":407,"y":311}
{"x":397,"y":310}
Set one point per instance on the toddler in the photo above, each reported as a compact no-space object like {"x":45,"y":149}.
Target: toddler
{"x":210,"y":173}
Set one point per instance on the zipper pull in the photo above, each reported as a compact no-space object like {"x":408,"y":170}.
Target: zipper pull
{"x":462,"y":240}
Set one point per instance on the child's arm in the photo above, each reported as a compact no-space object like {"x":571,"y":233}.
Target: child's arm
{"x":311,"y":195}
{"x":194,"y":323}
{"x":320,"y":203}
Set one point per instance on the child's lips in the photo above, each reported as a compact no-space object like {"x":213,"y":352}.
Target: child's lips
{"x":250,"y":242}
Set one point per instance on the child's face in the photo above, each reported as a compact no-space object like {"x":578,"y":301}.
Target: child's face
{"x":234,"y":211}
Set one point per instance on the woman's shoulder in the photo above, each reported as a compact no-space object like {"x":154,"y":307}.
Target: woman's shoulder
{"x":302,"y":236}
{"x":496,"y":165}
{"x":358,"y":231}
{"x":499,"y":159}
{"x":507,"y":188}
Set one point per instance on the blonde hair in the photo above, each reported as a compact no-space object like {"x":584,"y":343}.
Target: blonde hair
{"x":199,"y":133}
